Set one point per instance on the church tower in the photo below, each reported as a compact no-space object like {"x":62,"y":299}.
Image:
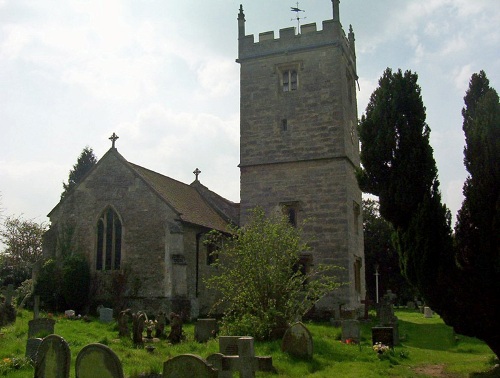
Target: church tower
{"x":298,"y":142}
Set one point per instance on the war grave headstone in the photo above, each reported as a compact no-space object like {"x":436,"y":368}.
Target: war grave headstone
{"x":188,"y":366}
{"x":298,"y":341}
{"x":40,"y":327}
{"x":105,"y":315}
{"x":53,"y":358}
{"x":205,"y":329}
{"x":351,"y":331}
{"x":427,"y":312}
{"x":32,"y":348}
{"x":97,"y":360}
{"x":246,"y":363}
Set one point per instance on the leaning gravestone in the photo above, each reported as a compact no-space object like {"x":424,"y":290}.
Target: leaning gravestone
{"x":298,"y":341}
{"x":188,"y":366}
{"x":40,"y":327}
{"x":205,"y":330}
{"x":53,"y":358}
{"x":32,"y":348}
{"x":350,"y":330}
{"x":106,"y":315}
{"x":97,"y":360}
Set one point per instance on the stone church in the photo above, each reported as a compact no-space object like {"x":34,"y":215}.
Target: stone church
{"x":298,"y":153}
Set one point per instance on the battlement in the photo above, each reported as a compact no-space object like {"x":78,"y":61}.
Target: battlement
{"x":290,"y":41}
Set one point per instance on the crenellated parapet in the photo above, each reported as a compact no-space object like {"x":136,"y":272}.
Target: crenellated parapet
{"x":289,"y":41}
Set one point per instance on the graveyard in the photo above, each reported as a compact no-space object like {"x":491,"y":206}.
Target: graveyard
{"x":425,"y":347}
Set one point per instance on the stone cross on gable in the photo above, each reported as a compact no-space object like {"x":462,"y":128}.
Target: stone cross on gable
{"x":196,"y":173}
{"x":113,"y":139}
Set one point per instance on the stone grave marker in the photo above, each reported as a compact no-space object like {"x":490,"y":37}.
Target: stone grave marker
{"x":40,"y":327}
{"x":350,"y":331}
{"x":384,"y":335}
{"x":205,"y":329}
{"x":246,"y":363}
{"x":70,"y":314}
{"x":106,"y":315}
{"x":53,"y":358}
{"x":228,"y":345}
{"x":160,"y":325}
{"x":32,"y":348}
{"x":97,"y":360}
{"x":368,"y":303}
{"x":176,"y":334}
{"x":427,"y":312}
{"x":298,"y":341}
{"x":410,"y":305}
{"x":188,"y":366}
{"x":9,"y":293}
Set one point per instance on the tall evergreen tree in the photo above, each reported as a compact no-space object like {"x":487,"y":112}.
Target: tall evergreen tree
{"x":458,"y":280}
{"x":83,"y":165}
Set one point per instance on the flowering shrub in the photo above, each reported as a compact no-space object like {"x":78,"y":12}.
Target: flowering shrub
{"x":14,"y":363}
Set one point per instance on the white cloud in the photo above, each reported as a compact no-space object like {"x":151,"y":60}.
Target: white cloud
{"x":461,"y":77}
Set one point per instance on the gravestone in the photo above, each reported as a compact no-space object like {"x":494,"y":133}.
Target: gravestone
{"x":53,"y":358}
{"x":176,"y":334}
{"x":40,"y":327}
{"x":32,"y":348}
{"x":188,"y":366}
{"x":105,"y":315}
{"x":138,"y":320}
{"x":123,"y":329}
{"x":298,"y":341}
{"x":384,"y":335}
{"x":70,"y":314}
{"x":205,"y":329}
{"x":350,"y":331}
{"x":9,"y":293}
{"x":427,"y":312}
{"x":160,"y":325}
{"x":410,"y":305}
{"x":368,"y":303}
{"x":386,"y":315}
{"x":97,"y":360}
{"x":246,"y":363}
{"x":228,"y":345}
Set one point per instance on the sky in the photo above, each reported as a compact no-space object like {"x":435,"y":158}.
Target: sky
{"x":162,"y":75}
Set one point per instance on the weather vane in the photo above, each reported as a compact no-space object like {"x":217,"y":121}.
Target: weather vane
{"x":297,"y":10}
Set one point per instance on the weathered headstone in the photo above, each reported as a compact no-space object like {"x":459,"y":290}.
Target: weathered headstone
{"x":105,"y":315}
{"x":176,"y":334}
{"x":427,"y":312}
{"x":205,"y":329}
{"x":40,"y":327}
{"x":298,"y":341}
{"x":138,"y":320}
{"x":97,"y":360}
{"x":188,"y":366}
{"x":123,"y":329}
{"x":160,"y":325}
{"x":384,"y":335}
{"x":70,"y":314}
{"x":350,"y":331}
{"x":228,"y":345}
{"x":410,"y":305}
{"x":53,"y":358}
{"x":32,"y":348}
{"x":246,"y":363}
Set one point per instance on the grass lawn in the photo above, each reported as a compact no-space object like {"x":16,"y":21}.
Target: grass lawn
{"x":428,"y":349}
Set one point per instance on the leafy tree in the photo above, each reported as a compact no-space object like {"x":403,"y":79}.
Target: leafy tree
{"x":458,"y":280}
{"x":380,"y":252}
{"x":262,"y":284}
{"x":83,"y":165}
{"x":23,"y":245}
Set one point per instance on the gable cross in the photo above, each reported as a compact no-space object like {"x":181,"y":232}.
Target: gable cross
{"x":113,"y":139}
{"x":196,"y":173}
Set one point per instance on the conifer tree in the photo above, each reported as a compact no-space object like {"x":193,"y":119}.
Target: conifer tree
{"x":84,"y":164}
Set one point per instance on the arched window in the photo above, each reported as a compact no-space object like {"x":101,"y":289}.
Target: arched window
{"x":109,"y":241}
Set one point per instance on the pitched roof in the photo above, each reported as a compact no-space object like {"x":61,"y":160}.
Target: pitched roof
{"x":186,"y":200}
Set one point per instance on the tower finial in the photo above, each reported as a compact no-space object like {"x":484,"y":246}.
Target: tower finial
{"x":241,"y":22}
{"x":336,"y":10}
{"x":196,"y":173}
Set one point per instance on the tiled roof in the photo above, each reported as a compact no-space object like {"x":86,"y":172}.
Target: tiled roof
{"x":183,"y":198}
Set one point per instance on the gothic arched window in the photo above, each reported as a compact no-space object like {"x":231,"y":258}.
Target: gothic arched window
{"x":109,"y":241}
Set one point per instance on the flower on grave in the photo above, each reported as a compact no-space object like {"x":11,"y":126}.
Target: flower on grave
{"x":150,"y":324}
{"x":380,"y":348}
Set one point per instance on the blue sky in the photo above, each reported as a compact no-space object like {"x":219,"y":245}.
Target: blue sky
{"x":162,"y":75}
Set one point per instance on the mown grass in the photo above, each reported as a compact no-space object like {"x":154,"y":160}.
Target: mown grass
{"x":425,"y":343}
